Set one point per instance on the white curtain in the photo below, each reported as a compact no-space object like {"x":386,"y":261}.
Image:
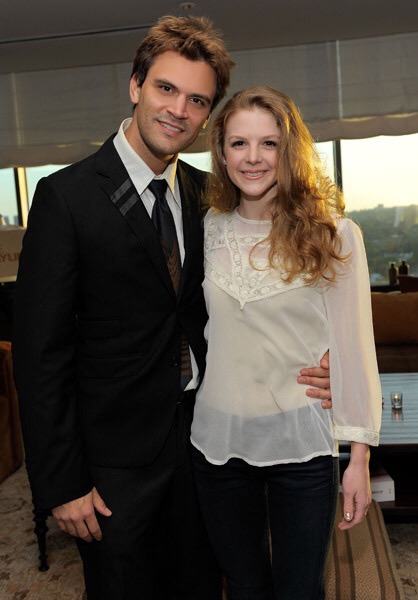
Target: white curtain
{"x":348,"y":89}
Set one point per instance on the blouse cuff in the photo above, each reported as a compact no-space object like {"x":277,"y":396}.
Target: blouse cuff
{"x":356,"y":434}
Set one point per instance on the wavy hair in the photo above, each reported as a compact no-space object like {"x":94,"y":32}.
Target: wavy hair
{"x":303,"y":239}
{"x":193,"y":38}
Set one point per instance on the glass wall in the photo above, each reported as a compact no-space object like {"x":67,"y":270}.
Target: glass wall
{"x":34,"y":174}
{"x":8,"y":197}
{"x":326,"y":154}
{"x":200,"y":160}
{"x":380,"y":190}
{"x":381,"y":194}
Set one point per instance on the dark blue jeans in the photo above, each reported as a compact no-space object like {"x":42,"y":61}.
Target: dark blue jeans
{"x":292,"y":505}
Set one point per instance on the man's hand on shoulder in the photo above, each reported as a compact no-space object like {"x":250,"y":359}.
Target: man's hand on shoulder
{"x":318,"y":378}
{"x":78,"y":517}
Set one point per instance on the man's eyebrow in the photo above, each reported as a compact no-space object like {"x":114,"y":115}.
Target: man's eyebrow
{"x":165,"y":82}
{"x":193,"y":95}
{"x":202,"y":97}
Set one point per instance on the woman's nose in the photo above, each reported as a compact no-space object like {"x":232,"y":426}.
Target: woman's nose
{"x":253,"y":154}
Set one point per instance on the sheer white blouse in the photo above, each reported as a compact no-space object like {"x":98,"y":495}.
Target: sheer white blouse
{"x":262,"y":331}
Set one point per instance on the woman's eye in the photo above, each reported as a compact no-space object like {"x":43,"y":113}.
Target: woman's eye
{"x":237,"y":143}
{"x":271,"y":143}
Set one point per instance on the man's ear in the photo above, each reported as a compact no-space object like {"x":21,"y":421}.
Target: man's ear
{"x":134,"y":89}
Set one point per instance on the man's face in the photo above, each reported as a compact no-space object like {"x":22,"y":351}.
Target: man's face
{"x":173,"y":104}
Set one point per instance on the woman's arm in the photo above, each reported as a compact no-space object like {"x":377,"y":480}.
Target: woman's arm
{"x":356,"y":486}
{"x":355,"y":383}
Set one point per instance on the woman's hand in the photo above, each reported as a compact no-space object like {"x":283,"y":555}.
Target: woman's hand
{"x":356,"y":486}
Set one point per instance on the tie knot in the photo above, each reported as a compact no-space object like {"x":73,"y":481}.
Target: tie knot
{"x":158,"y":187}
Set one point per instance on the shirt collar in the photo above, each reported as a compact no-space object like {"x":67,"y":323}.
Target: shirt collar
{"x":138,"y":170}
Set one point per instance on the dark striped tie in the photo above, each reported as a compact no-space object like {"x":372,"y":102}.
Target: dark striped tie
{"x":164,"y":224}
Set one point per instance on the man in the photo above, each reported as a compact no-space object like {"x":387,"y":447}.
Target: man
{"x":104,"y":330}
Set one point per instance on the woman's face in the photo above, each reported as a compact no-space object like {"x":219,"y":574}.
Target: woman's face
{"x":251,"y":153}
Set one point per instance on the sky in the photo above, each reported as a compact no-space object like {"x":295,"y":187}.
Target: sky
{"x":380,"y":170}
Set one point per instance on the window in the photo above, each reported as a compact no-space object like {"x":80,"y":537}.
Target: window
{"x":381,"y":194}
{"x":34,"y":174}
{"x":8,"y":198}
{"x":326,"y":154}
{"x":380,"y":191}
{"x":200,"y":160}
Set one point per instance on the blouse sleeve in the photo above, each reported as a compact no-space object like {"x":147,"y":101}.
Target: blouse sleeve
{"x":355,"y":383}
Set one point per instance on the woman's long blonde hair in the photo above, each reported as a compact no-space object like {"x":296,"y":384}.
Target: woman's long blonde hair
{"x":303,"y":238}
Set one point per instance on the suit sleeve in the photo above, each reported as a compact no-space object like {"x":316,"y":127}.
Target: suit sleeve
{"x":44,"y":337}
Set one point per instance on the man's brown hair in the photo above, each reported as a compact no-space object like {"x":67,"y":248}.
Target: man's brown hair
{"x":193,"y":38}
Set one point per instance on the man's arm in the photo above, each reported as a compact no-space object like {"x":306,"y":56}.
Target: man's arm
{"x":319,"y":378}
{"x":44,"y":338}
{"x":78,"y":517}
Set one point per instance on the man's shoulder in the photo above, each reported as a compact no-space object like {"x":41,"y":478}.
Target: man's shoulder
{"x":88,"y":164}
{"x":193,"y":172}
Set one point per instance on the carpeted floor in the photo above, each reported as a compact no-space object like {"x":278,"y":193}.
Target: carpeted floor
{"x":21,"y":580}
{"x":404,"y":540}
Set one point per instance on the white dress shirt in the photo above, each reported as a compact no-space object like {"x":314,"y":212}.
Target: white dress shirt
{"x":141,"y":176}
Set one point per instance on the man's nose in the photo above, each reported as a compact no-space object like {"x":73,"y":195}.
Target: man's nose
{"x":178,"y":107}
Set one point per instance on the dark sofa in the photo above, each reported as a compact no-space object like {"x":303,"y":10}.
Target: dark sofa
{"x":395,"y":322}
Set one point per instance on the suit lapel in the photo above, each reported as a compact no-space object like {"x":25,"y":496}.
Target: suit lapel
{"x":191,"y":192}
{"x":186,"y":198}
{"x":116,"y":183}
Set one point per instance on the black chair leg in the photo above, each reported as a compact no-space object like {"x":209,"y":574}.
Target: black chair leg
{"x":41,"y":528}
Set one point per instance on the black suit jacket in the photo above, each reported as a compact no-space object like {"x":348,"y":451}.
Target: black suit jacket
{"x":98,"y":325}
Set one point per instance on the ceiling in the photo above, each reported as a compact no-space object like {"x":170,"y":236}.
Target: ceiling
{"x":50,"y":34}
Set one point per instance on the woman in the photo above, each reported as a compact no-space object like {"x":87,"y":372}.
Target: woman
{"x":285,"y":279}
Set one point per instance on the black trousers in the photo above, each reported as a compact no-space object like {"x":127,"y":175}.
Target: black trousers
{"x":292,"y":505}
{"x":154,"y":545}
